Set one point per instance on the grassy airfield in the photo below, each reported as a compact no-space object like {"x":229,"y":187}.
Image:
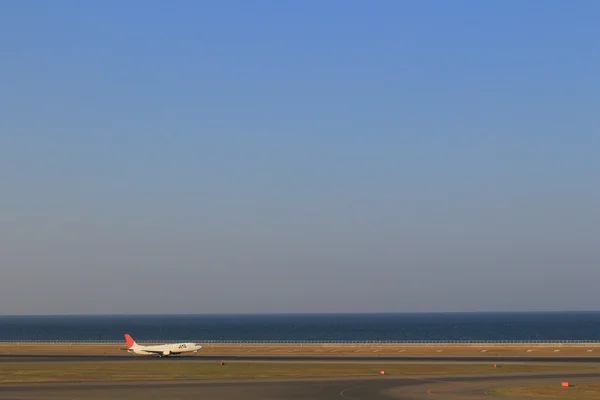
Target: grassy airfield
{"x":56,"y":372}
{"x":579,"y":392}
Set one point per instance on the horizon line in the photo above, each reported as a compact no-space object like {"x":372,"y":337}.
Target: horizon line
{"x":298,"y":313}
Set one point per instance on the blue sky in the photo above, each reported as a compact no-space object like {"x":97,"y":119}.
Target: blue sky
{"x":299,"y":156}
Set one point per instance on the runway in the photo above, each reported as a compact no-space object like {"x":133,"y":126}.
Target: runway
{"x":316,"y":358}
{"x":401,"y":388}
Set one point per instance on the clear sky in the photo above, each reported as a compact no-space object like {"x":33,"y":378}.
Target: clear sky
{"x":299,"y":156}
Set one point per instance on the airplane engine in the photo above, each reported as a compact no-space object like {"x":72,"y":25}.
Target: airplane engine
{"x":166,"y":353}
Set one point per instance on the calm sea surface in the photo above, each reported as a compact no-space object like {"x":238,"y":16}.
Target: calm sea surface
{"x":340,"y":327}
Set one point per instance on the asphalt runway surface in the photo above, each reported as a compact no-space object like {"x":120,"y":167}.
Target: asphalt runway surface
{"x":402,"y":388}
{"x":316,"y":358}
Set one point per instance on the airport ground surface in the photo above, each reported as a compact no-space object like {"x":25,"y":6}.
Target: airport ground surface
{"x":403,"y":388}
{"x":408,"y":379}
{"x":354,"y":350}
{"x":34,"y":358}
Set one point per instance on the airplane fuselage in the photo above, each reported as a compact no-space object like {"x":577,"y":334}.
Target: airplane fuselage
{"x":161,"y":350}
{"x":165,"y":350}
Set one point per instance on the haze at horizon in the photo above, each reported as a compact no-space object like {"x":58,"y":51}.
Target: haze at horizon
{"x":282,"y":157}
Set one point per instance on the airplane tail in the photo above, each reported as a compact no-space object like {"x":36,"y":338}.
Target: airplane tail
{"x":130,"y":342}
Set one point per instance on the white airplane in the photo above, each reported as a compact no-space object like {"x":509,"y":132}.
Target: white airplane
{"x":161,"y":350}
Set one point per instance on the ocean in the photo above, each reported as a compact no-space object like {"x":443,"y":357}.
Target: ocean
{"x":321,"y":327}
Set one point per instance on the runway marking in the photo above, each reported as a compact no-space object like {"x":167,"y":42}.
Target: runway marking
{"x":347,"y":397}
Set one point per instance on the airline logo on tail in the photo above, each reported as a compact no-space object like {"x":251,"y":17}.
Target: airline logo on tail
{"x":161,"y":350}
{"x":130,"y":342}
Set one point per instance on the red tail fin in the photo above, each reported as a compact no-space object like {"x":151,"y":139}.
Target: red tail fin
{"x":129,"y":340}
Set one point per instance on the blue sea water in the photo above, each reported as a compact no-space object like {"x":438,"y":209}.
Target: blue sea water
{"x":323,"y":327}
